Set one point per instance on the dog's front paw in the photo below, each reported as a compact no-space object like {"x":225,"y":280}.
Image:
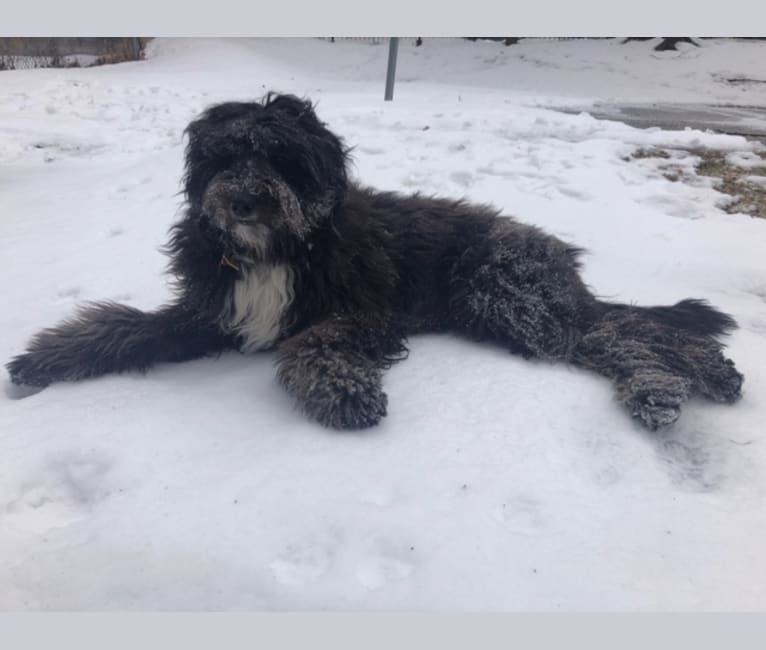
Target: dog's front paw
{"x":359,"y":408}
{"x":656,"y":400}
{"x":354,"y":401}
{"x":722,"y":382}
{"x":337,"y":395}
{"x":656,"y":416}
{"x":29,"y":370}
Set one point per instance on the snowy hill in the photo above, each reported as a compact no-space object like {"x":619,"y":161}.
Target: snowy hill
{"x":494,"y":482}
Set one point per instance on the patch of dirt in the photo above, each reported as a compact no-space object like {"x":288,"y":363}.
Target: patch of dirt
{"x":749,"y":197}
{"x":648,"y":153}
{"x":748,"y":194}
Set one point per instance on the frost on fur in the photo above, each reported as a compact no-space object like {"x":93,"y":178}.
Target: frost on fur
{"x":277,"y":248}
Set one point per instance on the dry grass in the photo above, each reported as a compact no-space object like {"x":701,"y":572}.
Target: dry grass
{"x":648,"y":153}
{"x":747,"y":197}
{"x":125,"y":50}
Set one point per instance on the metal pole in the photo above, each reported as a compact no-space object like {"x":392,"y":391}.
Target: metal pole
{"x":393,"y":48}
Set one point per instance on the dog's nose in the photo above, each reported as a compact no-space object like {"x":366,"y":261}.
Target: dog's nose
{"x":240,"y":209}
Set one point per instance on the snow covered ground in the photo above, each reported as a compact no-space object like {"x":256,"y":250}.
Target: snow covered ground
{"x":494,"y":483}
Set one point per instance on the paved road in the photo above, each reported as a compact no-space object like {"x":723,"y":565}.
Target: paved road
{"x":749,"y":121}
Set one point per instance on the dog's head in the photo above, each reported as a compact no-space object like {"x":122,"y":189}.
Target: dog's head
{"x":263,"y":172}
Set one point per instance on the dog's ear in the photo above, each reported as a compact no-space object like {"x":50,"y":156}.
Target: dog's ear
{"x":320,"y":169}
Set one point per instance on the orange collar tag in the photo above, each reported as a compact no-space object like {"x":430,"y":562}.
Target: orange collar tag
{"x":225,"y":261}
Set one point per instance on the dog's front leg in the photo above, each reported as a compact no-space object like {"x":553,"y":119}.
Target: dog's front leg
{"x":334,"y":368}
{"x":110,"y":338}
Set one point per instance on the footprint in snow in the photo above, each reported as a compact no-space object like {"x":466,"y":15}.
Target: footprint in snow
{"x":389,"y":562}
{"x":521,"y":514}
{"x":695,"y":459}
{"x":62,"y":490}
{"x":300,"y":564}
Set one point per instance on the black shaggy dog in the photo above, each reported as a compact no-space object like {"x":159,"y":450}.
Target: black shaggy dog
{"x":277,"y":249}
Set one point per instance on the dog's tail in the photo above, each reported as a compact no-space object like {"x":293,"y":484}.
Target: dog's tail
{"x":691,"y":315}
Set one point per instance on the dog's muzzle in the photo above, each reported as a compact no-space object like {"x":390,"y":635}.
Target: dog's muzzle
{"x":226,"y":209}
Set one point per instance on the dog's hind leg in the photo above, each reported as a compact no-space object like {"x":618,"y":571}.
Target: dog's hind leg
{"x":111,"y":338}
{"x":334,"y":369}
{"x":522,"y":290}
{"x":658,"y":359}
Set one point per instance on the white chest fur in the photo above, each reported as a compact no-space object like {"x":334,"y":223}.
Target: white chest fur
{"x":257,"y":303}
